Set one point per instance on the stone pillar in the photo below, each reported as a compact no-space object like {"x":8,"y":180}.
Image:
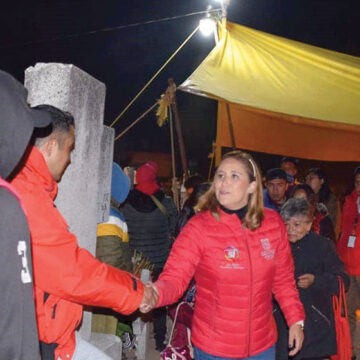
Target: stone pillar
{"x":84,"y":190}
{"x":141,"y":329}
{"x":104,"y":185}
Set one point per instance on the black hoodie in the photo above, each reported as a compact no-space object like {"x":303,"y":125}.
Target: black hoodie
{"x":18,"y":340}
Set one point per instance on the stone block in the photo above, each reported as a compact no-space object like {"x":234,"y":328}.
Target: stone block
{"x":141,"y":328}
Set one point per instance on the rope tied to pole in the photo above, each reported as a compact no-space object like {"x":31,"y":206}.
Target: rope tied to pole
{"x":156,"y":74}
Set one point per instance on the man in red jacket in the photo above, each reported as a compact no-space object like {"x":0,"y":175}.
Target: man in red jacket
{"x":349,"y":251}
{"x":65,"y":275}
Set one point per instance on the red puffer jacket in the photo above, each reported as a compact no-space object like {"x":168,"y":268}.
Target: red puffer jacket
{"x":236,"y":272}
{"x":70,"y":274}
{"x":350,"y":255}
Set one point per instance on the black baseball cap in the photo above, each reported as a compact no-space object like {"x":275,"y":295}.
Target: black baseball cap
{"x":17,"y":122}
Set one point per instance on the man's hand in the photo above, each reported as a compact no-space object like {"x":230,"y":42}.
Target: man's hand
{"x":150,"y":298}
{"x":306,"y":280}
{"x":296,"y":338}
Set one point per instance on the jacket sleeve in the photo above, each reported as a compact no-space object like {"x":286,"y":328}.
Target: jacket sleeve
{"x":327,"y":229}
{"x":64,"y":269}
{"x":332,"y":269}
{"x":18,"y":328}
{"x":284,"y":287}
{"x":173,"y":214}
{"x":184,"y":217}
{"x":181,"y":264}
{"x":347,"y":220}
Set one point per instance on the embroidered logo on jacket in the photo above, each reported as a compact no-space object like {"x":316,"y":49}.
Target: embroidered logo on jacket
{"x":267,"y":252}
{"x":231,"y":254}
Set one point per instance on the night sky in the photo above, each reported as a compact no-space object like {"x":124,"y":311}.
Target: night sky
{"x":127,"y":57}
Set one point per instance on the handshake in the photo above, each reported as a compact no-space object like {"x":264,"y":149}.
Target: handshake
{"x":150,"y":297}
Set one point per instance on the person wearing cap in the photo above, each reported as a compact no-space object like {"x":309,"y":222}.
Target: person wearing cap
{"x":151,"y":217}
{"x":276,"y":185}
{"x":18,"y":340}
{"x":348,"y":248}
{"x":112,"y":245}
{"x":66,"y":276}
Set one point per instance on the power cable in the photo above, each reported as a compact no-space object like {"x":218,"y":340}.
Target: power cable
{"x":108,"y":29}
{"x":152,"y":79}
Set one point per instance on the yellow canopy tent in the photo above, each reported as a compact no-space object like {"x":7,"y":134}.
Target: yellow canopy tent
{"x":280,"y":96}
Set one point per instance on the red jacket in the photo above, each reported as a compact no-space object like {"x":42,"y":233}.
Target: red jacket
{"x":236,"y":272}
{"x":70,"y":274}
{"x":350,"y":256}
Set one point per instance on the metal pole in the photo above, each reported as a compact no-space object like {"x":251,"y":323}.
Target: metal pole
{"x":175,"y":189}
{"x":178,"y":128}
{"x":231,"y":128}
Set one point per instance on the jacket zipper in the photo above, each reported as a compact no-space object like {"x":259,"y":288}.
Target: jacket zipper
{"x":321,"y":314}
{"x":251,"y":276}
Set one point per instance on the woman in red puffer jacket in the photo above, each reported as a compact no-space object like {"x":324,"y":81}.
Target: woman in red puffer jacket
{"x":239,"y":254}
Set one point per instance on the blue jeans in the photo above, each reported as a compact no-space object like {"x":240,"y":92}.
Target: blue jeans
{"x":268,"y":354}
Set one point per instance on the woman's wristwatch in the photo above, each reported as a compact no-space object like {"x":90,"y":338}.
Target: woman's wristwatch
{"x":301,"y":323}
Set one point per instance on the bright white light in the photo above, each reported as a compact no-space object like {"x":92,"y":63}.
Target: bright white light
{"x":207,"y":26}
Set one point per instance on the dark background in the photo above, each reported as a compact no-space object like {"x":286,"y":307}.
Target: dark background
{"x":125,"y":58}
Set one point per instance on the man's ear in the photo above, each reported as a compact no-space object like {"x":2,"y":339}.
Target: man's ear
{"x":49,"y":147}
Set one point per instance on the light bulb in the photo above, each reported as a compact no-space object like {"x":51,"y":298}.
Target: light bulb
{"x":207,"y":26}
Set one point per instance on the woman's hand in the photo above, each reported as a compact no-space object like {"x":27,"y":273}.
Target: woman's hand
{"x":296,"y":338}
{"x":150,"y":297}
{"x":305,"y":280}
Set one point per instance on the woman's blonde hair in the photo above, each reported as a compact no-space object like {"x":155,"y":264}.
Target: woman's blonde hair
{"x":255,"y":213}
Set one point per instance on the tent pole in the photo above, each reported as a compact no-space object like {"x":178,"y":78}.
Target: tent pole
{"x":218,"y":141}
{"x":175,"y":111}
{"x":231,"y":128}
{"x":212,"y":157}
{"x":174,"y":185}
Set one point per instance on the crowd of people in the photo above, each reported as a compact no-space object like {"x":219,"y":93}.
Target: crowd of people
{"x":260,"y":254}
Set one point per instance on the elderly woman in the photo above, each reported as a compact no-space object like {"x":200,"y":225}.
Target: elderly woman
{"x":317,"y":268}
{"x":239,"y":255}
{"x":322,"y":224}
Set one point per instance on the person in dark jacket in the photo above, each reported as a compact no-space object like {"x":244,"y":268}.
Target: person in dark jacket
{"x":188,"y":211}
{"x":322,"y":224}
{"x":19,"y":339}
{"x":318,"y":181}
{"x":317,"y":268}
{"x":151,"y":218}
{"x":112,"y":246}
